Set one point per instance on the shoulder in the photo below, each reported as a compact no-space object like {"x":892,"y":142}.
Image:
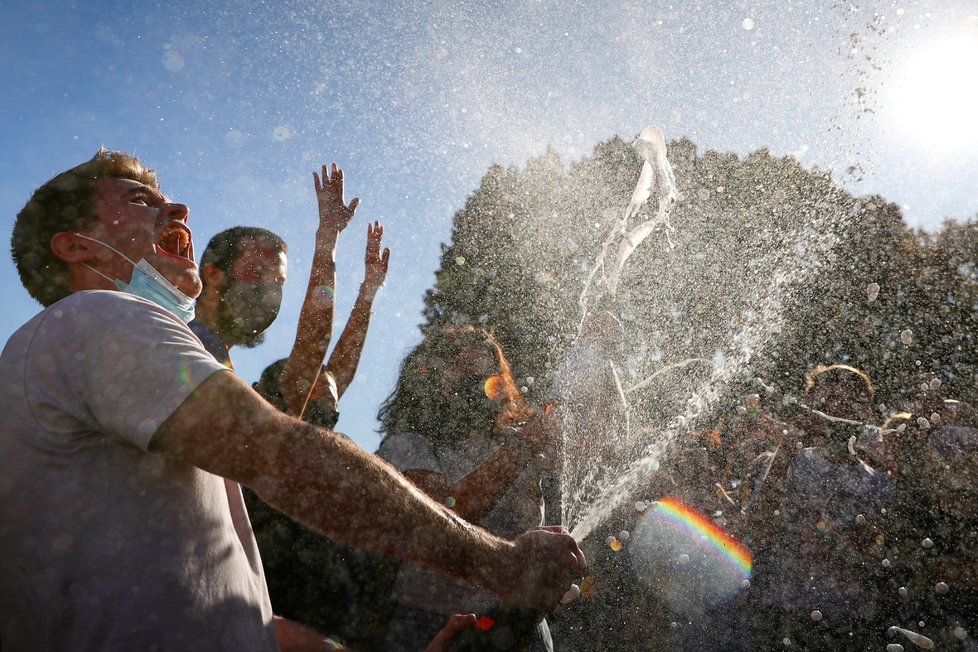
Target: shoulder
{"x":408,"y":450}
{"x":108,"y":307}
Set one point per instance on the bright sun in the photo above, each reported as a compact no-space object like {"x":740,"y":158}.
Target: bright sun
{"x":934,"y":100}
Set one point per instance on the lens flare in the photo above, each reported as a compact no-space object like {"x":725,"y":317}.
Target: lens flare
{"x":494,"y":387}
{"x":682,"y":553}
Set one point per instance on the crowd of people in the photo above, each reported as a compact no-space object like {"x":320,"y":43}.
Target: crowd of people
{"x":128,"y":437}
{"x":150,"y":499}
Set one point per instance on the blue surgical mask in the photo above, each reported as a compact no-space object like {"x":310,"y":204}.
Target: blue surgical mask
{"x":148,"y":283}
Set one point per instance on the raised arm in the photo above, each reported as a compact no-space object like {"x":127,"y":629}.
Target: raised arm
{"x":315,"y":327}
{"x":476,"y":493}
{"x":346,"y":355}
{"x":336,"y":488}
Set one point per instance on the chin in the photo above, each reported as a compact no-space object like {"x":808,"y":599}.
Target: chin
{"x":190,"y":284}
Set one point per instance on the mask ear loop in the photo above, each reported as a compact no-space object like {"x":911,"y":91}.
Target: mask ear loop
{"x":109,"y":247}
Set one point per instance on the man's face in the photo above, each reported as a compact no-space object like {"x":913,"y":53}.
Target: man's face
{"x":141,"y":223}
{"x":256,"y":277}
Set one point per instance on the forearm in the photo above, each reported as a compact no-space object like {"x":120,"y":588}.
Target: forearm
{"x":336,"y":488}
{"x":314,"y":330}
{"x":345,"y":359}
{"x":477,"y":492}
{"x":327,"y":482}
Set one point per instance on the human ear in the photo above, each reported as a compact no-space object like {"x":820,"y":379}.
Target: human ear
{"x":211,"y":275}
{"x":71,"y":248}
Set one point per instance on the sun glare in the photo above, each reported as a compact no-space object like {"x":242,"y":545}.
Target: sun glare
{"x":934,"y":99}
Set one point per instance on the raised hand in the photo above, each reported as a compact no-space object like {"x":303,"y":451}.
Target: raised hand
{"x":334,"y":212}
{"x":376,"y":264}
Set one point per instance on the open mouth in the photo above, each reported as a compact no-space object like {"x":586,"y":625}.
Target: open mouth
{"x":175,"y":241}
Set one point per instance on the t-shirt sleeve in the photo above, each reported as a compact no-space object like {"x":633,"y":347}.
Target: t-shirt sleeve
{"x":409,"y":450}
{"x":127,"y":361}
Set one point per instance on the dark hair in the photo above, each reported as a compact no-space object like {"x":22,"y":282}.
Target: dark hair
{"x":269,"y":388}
{"x":418,"y":403}
{"x":268,"y":385}
{"x":225,"y":247}
{"x":65,"y":203}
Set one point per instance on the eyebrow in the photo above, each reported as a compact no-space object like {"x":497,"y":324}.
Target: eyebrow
{"x":145,"y":190}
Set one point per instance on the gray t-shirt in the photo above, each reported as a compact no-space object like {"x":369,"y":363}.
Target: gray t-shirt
{"x":103,"y":544}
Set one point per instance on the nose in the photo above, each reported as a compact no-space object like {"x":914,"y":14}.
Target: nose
{"x":173,"y":211}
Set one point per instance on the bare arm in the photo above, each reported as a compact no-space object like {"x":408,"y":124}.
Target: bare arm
{"x":334,"y":487}
{"x":476,"y":493}
{"x":315,"y":327}
{"x":346,"y":356}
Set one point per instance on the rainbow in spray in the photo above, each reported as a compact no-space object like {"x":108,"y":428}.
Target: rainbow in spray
{"x":687,"y":556}
{"x":719,"y":542}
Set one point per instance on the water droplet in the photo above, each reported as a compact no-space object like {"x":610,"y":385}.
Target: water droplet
{"x":623,"y":535}
{"x":906,"y":336}
{"x":860,"y":518}
{"x":872,"y":291}
{"x":748,"y":24}
{"x":941,"y":588}
{"x":529,"y":380}
{"x":641,"y":506}
{"x":683,"y":559}
{"x":281,"y":133}
{"x":927,"y":543}
{"x":935,"y":384}
{"x":902,"y":591}
{"x":674,"y":624}
{"x":960,"y":633}
{"x":234,"y":138}
{"x":745,"y":584}
{"x":886,"y":563}
{"x":173,"y":61}
{"x":923,"y":423}
{"x":935,"y":418}
{"x":459,"y":260}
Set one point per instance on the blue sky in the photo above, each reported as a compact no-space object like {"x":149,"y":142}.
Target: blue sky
{"x":234,"y":104}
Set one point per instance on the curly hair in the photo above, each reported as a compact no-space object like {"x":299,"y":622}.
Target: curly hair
{"x":419,"y":404}
{"x":65,"y":203}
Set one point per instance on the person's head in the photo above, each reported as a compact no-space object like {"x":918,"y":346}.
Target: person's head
{"x":78,"y":230}
{"x":840,"y":391}
{"x":456,"y":381}
{"x":243,"y":270}
{"x":323,"y":406}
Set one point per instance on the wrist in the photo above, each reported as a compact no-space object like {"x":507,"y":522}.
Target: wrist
{"x":368,"y":291}
{"x":327,"y":233}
